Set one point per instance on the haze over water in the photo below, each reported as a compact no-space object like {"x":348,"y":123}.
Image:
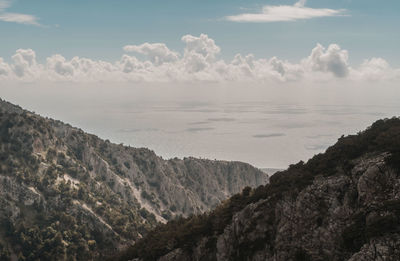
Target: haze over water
{"x":267,"y":126}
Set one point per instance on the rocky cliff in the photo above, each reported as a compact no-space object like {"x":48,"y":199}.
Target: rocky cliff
{"x":68,"y":195}
{"x":340,"y":205}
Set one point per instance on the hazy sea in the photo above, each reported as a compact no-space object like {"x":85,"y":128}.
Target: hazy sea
{"x":267,"y":126}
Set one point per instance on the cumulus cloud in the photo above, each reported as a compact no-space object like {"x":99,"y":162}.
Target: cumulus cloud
{"x":333,"y":60}
{"x":157,"y":52}
{"x":16,"y":17}
{"x":4,"y":68}
{"x":59,"y":65}
{"x":285,"y":13}
{"x":24,"y":63}
{"x":199,"y":52}
{"x":203,"y":46}
{"x":198,"y":61}
{"x":375,"y":69}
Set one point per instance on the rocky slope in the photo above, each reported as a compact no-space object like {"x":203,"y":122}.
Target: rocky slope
{"x":340,"y":205}
{"x":66,"y":194}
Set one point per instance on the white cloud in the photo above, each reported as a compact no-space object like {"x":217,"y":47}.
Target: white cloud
{"x":333,"y":60}
{"x":157,"y":52}
{"x":16,"y":17}
{"x":25,"y":63}
{"x":4,"y":68}
{"x":79,"y":69}
{"x":376,"y":69}
{"x":59,"y":65}
{"x":285,"y":13}
{"x":19,"y":18}
{"x":199,"y":52}
{"x":198,"y":62}
{"x":203,"y":46}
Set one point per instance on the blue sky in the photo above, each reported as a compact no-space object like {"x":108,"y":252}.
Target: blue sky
{"x":175,"y":75}
{"x":99,"y":29}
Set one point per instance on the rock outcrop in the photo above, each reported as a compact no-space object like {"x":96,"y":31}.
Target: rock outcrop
{"x":340,"y":205}
{"x":66,"y":194}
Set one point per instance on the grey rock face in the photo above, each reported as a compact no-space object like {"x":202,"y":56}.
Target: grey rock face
{"x":382,"y":248}
{"x":311,"y":226}
{"x":341,"y":205}
{"x":112,"y":194}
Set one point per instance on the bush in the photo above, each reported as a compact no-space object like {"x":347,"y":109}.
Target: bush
{"x":127,"y":165}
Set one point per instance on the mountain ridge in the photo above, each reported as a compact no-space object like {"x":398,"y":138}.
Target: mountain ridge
{"x":343,"y":204}
{"x":65,"y":192}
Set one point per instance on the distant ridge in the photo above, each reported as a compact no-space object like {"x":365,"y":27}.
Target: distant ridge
{"x":343,"y":204}
{"x":69,"y":195}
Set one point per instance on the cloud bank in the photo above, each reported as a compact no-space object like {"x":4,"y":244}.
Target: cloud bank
{"x":16,"y":17}
{"x":285,"y":13}
{"x":198,"y":62}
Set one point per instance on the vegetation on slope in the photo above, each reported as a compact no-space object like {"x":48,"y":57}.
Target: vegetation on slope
{"x":185,"y":233}
{"x":68,"y":195}
{"x":55,"y":224}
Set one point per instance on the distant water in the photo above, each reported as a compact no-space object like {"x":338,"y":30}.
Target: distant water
{"x":270,"y":171}
{"x":265,"y":126}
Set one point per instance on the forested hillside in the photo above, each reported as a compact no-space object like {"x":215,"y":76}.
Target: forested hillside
{"x":343,"y":204}
{"x":66,"y":194}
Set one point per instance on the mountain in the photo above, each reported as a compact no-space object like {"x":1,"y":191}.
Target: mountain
{"x":69,"y":195}
{"x":340,"y":205}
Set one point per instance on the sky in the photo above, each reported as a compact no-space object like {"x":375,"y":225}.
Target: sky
{"x":266,"y":82}
{"x":98,"y":29}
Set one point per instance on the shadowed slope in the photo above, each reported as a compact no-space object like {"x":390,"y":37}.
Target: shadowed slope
{"x":343,"y":204}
